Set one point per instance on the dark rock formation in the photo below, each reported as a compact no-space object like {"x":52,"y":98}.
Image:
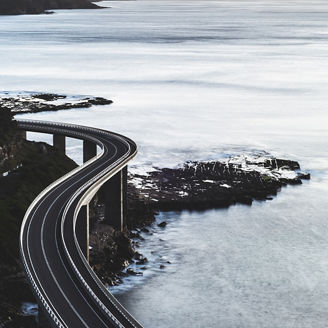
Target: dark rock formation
{"x":162,"y":224}
{"x":112,"y":251}
{"x":195,"y":186}
{"x":204,"y":185}
{"x":20,"y":7}
{"x":45,"y":102}
{"x":140,"y":212}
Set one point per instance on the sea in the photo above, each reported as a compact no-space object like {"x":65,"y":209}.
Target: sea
{"x":202,"y":80}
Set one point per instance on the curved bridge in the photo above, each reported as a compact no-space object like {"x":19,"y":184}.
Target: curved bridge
{"x":51,"y":248}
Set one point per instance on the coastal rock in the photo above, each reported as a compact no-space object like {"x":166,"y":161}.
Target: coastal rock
{"x":20,"y":7}
{"x":111,"y":252}
{"x":304,"y":175}
{"x":130,"y":271}
{"x":47,"y":96}
{"x":138,"y":256}
{"x":139,"y":211}
{"x":142,"y":261}
{"x":192,"y":185}
{"x":204,"y":185}
{"x":276,"y":163}
{"x":25,"y":102}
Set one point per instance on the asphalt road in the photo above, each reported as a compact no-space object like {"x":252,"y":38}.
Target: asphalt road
{"x":67,"y":288}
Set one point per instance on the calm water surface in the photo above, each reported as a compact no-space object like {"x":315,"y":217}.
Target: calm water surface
{"x":199,"y":80}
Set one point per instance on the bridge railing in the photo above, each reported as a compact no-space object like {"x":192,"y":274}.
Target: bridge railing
{"x":86,"y":190}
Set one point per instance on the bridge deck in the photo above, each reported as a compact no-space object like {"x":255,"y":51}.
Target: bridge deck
{"x":65,"y":284}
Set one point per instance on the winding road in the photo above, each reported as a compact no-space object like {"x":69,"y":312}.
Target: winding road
{"x":67,"y":288}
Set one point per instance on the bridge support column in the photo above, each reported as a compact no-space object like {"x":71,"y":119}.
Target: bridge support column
{"x":82,"y":230}
{"x":115,"y":196}
{"x":22,"y":134}
{"x":89,"y":150}
{"x":59,"y":142}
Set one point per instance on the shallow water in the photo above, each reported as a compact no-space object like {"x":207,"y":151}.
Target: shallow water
{"x":201,"y":80}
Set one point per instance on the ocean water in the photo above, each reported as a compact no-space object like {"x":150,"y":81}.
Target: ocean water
{"x":196,"y":80}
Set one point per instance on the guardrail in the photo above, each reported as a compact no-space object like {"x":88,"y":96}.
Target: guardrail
{"x":82,"y":195}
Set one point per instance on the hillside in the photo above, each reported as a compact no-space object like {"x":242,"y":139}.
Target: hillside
{"x":26,"y":168}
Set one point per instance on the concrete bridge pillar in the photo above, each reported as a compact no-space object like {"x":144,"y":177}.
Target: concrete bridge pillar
{"x":89,"y":150}
{"x":22,"y":134}
{"x":59,"y":142}
{"x":82,"y":230}
{"x":115,"y":198}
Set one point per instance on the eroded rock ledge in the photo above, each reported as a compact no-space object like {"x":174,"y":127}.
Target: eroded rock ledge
{"x":25,"y":102}
{"x":204,"y":185}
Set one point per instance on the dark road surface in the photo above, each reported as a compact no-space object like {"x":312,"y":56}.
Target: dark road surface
{"x":66,"y":286}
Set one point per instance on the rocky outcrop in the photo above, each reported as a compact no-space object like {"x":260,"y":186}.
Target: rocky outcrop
{"x":112,"y":251}
{"x":204,"y":185}
{"x":45,"y":102}
{"x":20,"y":7}
{"x":193,"y":185}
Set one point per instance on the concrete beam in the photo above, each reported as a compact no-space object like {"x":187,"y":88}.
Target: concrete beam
{"x":82,"y":230}
{"x":59,"y":142}
{"x":89,"y":150}
{"x":115,"y":198}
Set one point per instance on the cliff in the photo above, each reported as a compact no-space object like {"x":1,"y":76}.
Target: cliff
{"x":20,"y":7}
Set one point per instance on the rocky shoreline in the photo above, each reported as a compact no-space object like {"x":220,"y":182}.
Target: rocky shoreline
{"x":34,"y":102}
{"x":23,"y":7}
{"x":212,"y":184}
{"x":113,"y":251}
{"x":114,"y":255}
{"x":191,"y":186}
